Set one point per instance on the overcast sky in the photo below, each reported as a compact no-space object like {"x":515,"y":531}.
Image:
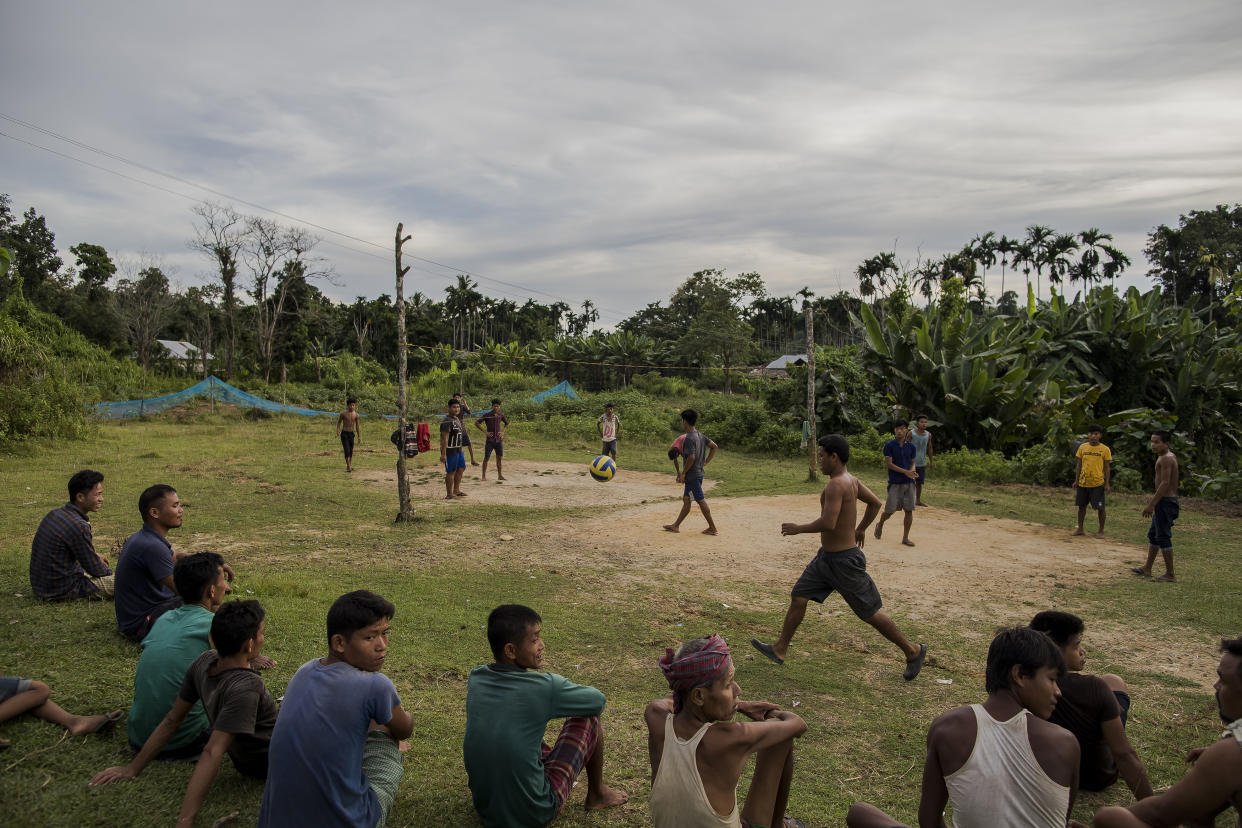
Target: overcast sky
{"x":608,"y":150}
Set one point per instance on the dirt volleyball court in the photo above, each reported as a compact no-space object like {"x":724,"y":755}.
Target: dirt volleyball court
{"x":978,"y":571}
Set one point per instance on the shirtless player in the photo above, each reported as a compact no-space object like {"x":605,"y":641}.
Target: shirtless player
{"x":840,"y":564}
{"x":1162,"y":508}
{"x":349,"y":428}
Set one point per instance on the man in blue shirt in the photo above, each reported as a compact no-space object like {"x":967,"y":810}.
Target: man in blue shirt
{"x":899,"y":455}
{"x":144,"y":572}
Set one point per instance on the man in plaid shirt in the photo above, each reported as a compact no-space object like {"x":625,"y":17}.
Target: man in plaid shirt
{"x":63,"y":562}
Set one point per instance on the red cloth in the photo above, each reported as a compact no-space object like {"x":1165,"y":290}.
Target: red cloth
{"x":696,"y":669}
{"x":424,"y":437}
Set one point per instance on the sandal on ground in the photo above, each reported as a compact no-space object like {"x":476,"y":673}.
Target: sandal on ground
{"x":914,"y":665}
{"x":767,"y":650}
{"x":1138,"y":570}
{"x":109,"y":720}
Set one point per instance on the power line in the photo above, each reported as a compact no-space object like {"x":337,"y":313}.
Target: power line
{"x":122,"y":159}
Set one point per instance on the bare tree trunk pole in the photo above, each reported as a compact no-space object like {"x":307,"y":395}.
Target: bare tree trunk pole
{"x":403,"y":481}
{"x":812,"y":474}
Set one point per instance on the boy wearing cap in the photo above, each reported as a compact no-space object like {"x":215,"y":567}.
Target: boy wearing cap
{"x":698,"y":752}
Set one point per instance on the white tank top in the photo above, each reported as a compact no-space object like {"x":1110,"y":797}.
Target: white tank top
{"x":677,"y":797}
{"x":1002,"y":784}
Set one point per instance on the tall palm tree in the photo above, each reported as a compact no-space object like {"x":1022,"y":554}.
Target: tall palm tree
{"x":1006,"y":247}
{"x":984,"y":250}
{"x":1037,"y":239}
{"x":1117,"y":262}
{"x":1057,"y":256}
{"x":1088,"y":267}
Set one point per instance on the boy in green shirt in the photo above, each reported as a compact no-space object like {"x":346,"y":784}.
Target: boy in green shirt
{"x":515,"y":778}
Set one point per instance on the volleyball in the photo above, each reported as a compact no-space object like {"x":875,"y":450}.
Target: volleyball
{"x":603,"y":468}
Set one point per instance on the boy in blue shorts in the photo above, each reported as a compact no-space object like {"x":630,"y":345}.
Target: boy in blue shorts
{"x":335,"y":761}
{"x":899,"y":455}
{"x":451,"y":435}
{"x":698,"y":451}
{"x":515,"y":778}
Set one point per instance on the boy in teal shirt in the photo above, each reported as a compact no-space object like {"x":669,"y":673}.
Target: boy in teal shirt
{"x":176,"y":639}
{"x":515,"y":778}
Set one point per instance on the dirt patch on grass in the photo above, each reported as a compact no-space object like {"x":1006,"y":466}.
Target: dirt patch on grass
{"x":532,"y":484}
{"x":973,"y":572}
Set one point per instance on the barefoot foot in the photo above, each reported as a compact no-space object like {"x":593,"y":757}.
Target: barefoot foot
{"x":606,"y":798}
{"x":710,"y":531}
{"x":668,"y":527}
{"x":1077,"y":532}
{"x":86,"y":725}
{"x":907,"y":542}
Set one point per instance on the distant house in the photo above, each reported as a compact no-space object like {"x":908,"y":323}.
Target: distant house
{"x":186,"y":354}
{"x":777,"y":367}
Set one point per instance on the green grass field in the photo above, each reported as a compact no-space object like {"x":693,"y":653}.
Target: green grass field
{"x":273,"y":498}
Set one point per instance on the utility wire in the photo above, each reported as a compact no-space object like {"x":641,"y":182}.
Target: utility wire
{"x":463,"y":271}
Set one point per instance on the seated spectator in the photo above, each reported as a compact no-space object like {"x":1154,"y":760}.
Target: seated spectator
{"x":1000,"y":763}
{"x":1214,"y":781}
{"x":335,"y":758}
{"x":1094,"y":709}
{"x":241,"y":711}
{"x":20,"y":695}
{"x":144,"y":570}
{"x":175,"y":640}
{"x":63,"y":561}
{"x":698,"y":752}
{"x":515,"y":778}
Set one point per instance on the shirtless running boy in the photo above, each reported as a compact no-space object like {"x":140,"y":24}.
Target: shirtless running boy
{"x":349,"y":428}
{"x":698,"y":752}
{"x":840,"y":564}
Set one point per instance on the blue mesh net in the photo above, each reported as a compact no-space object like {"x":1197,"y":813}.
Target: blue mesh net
{"x":212,"y":388}
{"x":217,"y":389}
{"x":561,"y":389}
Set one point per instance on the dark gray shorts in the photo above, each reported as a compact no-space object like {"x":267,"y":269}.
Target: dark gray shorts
{"x":1093,"y":496}
{"x":844,"y":572}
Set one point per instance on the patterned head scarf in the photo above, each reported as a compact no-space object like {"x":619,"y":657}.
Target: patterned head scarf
{"x":697,"y":669}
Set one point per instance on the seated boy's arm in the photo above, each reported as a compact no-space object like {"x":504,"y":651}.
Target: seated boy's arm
{"x":1128,"y":763}
{"x":204,"y":774}
{"x":1205,"y":788}
{"x":401,"y":725}
{"x":154,"y":744}
{"x":780,"y":726}
{"x":935,"y":794}
{"x":655,"y":715}
{"x":569,"y":699}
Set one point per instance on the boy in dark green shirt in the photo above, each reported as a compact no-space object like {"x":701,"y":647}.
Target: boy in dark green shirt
{"x":515,"y":778}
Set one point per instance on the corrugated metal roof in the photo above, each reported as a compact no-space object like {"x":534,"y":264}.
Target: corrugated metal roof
{"x":182,"y":350}
{"x":779,"y":363}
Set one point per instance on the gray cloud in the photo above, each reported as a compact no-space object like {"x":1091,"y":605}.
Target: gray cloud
{"x":606,"y":152}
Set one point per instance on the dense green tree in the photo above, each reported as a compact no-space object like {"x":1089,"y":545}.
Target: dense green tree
{"x":36,"y":264}
{"x":1198,"y":257}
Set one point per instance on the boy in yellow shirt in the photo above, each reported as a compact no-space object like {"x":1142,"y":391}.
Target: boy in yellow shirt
{"x":1093,"y":477}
